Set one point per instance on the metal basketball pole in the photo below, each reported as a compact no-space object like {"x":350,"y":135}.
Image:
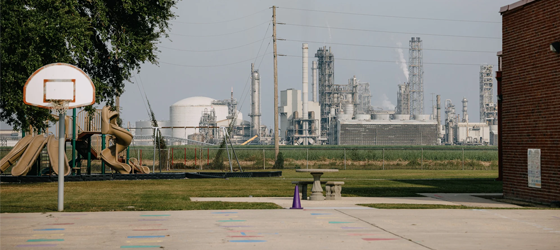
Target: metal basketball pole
{"x":61,"y":141}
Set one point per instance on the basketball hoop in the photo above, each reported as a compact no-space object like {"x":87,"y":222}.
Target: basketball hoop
{"x":60,"y":106}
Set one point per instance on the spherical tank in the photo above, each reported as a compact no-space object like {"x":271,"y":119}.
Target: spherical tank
{"x":187,"y":113}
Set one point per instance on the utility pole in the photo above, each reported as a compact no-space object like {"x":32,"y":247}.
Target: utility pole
{"x":276,"y":140}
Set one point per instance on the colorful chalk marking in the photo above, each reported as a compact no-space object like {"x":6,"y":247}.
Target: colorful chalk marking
{"x":140,"y":246}
{"x":377,"y":239}
{"x":242,"y":233}
{"x":339,"y":222}
{"x":231,"y":220}
{"x":38,"y":245}
{"x":44,"y":240}
{"x":150,"y":215}
{"x":147,"y":236}
{"x":149,"y":229}
{"x":49,"y":229}
{"x":224,"y":212}
{"x":247,"y":241}
{"x":320,"y":214}
{"x":142,"y":241}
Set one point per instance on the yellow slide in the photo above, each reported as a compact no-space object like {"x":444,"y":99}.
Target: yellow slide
{"x":30,"y":155}
{"x":123,"y":139}
{"x":52,"y":150}
{"x":15,"y":153}
{"x":137,"y":168}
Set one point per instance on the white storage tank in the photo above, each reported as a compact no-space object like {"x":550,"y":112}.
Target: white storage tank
{"x":187,"y":113}
{"x":381,"y":117}
{"x":363,"y":117}
{"x":422,"y":117}
{"x":165,"y":131}
{"x":143,"y":128}
{"x":401,"y":117}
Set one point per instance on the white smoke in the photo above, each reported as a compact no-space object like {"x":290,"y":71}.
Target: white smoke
{"x":401,"y":61}
{"x":386,"y":104}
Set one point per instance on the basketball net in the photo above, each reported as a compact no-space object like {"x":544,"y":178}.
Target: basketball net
{"x":60,"y":106}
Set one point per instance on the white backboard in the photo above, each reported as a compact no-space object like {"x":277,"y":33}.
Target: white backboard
{"x":59,"y":81}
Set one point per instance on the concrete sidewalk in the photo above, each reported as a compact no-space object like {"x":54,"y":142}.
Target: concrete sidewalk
{"x":351,"y":202}
{"x":285,"y":229}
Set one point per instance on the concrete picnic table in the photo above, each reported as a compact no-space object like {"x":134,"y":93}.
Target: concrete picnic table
{"x":317,"y":190}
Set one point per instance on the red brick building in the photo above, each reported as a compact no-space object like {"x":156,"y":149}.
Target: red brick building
{"x":529,"y":100}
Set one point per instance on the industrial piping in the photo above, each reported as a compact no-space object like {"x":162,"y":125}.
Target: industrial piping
{"x":314,"y":81}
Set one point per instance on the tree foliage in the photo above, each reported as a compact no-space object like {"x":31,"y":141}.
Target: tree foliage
{"x":107,"y":39}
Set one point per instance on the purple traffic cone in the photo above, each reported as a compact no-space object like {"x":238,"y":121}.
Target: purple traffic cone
{"x":296,"y":204}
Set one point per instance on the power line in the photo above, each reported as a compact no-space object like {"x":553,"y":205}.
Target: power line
{"x":243,"y":95}
{"x":235,"y":32}
{"x":190,"y":50}
{"x":209,"y":66}
{"x":224,"y":21}
{"x":386,"y":61}
{"x":390,"y":32}
{"x":387,"y":47}
{"x":389,"y":16}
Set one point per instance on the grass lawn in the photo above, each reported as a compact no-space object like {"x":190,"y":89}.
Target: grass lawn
{"x":149,"y":195}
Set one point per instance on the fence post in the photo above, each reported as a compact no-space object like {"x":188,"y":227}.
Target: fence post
{"x":383,"y":156}
{"x":307,"y":157}
{"x":463,"y":149}
{"x":422,"y":164}
{"x":201,"y":159}
{"x":171,"y":157}
{"x":195,"y":157}
{"x":264,"y":160}
{"x":344,"y":158}
{"x":168,"y":159}
{"x":185,"y":156}
{"x":207,"y":156}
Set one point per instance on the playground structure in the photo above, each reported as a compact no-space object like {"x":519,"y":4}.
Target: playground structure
{"x":90,"y":144}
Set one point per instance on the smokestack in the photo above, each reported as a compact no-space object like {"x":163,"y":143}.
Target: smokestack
{"x":255,"y":102}
{"x":314,"y":81}
{"x":438,"y":114}
{"x":305,"y":79}
{"x":465,"y":115}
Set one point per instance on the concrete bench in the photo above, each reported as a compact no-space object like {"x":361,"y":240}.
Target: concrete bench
{"x":334,"y":190}
{"x":302,"y":185}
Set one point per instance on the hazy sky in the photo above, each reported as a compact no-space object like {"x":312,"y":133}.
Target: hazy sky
{"x":212,"y":44}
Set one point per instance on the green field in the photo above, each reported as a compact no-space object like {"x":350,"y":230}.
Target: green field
{"x":174,"y":194}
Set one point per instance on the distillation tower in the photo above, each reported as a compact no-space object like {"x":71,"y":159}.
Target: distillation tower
{"x":416,"y":77}
{"x":488,"y":109}
{"x":255,"y":102}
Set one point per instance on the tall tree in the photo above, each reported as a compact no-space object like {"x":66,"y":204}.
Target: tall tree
{"x":108,"y":39}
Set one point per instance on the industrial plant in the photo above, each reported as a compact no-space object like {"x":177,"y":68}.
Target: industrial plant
{"x":336,"y":114}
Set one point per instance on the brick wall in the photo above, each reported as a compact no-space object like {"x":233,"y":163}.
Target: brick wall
{"x":531,"y":99}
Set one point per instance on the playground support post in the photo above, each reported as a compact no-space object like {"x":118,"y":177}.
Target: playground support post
{"x":88,"y":156}
{"x":102,"y":148}
{"x":127,"y":151}
{"x":73,"y":139}
{"x":61,"y":142}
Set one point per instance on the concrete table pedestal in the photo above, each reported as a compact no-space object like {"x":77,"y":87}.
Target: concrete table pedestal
{"x":317,"y":190}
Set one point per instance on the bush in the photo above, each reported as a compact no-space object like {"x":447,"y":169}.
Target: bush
{"x":279,"y":164}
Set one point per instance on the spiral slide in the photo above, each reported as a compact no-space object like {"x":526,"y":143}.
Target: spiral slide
{"x":123,"y":139}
